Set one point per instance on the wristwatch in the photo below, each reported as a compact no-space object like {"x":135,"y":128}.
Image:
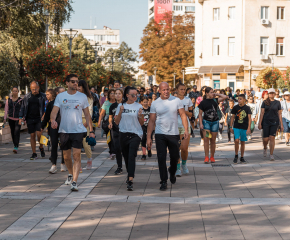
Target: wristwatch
{"x":230,"y":127}
{"x":92,"y":132}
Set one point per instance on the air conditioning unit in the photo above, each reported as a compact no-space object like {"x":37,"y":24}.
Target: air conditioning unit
{"x":265,"y":21}
{"x":264,"y":57}
{"x":254,"y":76}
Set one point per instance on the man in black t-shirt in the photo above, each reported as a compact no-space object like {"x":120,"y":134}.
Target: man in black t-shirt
{"x":241,"y":117}
{"x":32,"y":110}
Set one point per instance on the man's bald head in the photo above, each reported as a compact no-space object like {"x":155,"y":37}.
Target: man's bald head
{"x":164,"y":90}
{"x":34,"y":87}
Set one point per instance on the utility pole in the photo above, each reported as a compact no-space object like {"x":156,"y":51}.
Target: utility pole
{"x":183,"y":71}
{"x":174,"y":79}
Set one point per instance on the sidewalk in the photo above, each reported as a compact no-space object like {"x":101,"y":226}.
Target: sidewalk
{"x":218,"y":201}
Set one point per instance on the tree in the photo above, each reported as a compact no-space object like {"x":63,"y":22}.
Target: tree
{"x":169,"y":47}
{"x":123,"y":58}
{"x":98,"y":75}
{"x":268,"y":78}
{"x":81,"y":48}
{"x":8,"y":73}
{"x":284,"y":81}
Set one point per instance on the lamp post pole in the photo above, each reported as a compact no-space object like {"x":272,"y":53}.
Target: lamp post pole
{"x":183,"y":71}
{"x":272,"y":60}
{"x":174,"y":79}
{"x":71,"y":37}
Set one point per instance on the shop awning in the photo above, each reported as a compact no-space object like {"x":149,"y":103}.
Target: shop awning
{"x":221,"y":69}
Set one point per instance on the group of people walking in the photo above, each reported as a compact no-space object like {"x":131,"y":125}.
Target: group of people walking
{"x":130,"y":118}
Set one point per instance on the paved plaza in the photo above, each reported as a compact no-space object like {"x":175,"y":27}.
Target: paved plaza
{"x":218,"y":201}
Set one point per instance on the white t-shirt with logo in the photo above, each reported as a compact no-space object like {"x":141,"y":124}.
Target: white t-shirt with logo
{"x":187,"y":103}
{"x":166,"y":115}
{"x":129,"y":121}
{"x":71,"y":108}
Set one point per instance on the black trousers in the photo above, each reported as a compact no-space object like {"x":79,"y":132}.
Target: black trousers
{"x":117,"y":147}
{"x":53,"y":133}
{"x":162,"y":143}
{"x":15,"y":131}
{"x":129,"y":144}
{"x":110,"y":144}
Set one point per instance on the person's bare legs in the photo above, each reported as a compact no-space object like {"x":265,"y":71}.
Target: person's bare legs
{"x":77,"y":163}
{"x":265,"y":142}
{"x":33,"y":142}
{"x":68,"y":160}
{"x":144,"y":150}
{"x":184,"y":147}
{"x":212,"y":143}
{"x":286,"y":137}
{"x":206,"y":144}
{"x":272,"y":144}
{"x":243,"y":144}
{"x":237,"y":142}
{"x":38,"y":138}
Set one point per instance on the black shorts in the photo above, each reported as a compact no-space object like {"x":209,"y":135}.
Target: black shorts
{"x":71,"y":140}
{"x":269,"y":130}
{"x":34,"y":127}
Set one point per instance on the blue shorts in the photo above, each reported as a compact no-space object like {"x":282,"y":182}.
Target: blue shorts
{"x":286,"y":126}
{"x":240,"y":134}
{"x":211,"y":126}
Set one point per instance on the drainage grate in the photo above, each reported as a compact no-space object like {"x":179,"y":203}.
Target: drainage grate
{"x":221,"y":165}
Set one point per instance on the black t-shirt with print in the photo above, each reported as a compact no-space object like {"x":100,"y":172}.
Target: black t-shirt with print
{"x":146,"y":113}
{"x":112,"y":111}
{"x":242,"y":118}
{"x":209,"y":108}
{"x":271,"y":115}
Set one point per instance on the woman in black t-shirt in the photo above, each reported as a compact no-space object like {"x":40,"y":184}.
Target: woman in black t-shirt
{"x":115,"y":129}
{"x":271,"y":115}
{"x":209,"y":120}
{"x":146,"y":112}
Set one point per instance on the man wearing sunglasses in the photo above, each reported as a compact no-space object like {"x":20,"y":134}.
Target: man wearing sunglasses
{"x":164,"y":113}
{"x":72,"y":130}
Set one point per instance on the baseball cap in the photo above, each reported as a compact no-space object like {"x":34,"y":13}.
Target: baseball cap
{"x":194,"y":86}
{"x":271,"y":90}
{"x":286,"y":93}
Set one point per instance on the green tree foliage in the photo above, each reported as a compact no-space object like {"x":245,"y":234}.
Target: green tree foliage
{"x":8,"y":73}
{"x":97,"y":75}
{"x":169,"y":47}
{"x":123,"y":57}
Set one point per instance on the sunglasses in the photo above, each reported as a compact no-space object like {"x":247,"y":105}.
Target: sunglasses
{"x":133,"y":95}
{"x":74,"y":81}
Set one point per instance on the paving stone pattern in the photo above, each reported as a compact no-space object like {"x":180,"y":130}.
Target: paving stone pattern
{"x":215,"y":201}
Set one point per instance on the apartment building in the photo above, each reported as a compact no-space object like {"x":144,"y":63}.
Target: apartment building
{"x":100,"y":39}
{"x":235,"y":39}
{"x":179,"y":7}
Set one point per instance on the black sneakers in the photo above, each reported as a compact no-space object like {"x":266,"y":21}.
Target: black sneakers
{"x":236,"y":159}
{"x":163,"y":186}
{"x":130,"y":186}
{"x":118,"y":171}
{"x":149,"y":153}
{"x":33,"y":156}
{"x":172,"y":176}
{"x":42,"y":153}
{"x":242,"y":160}
{"x":143,"y":157}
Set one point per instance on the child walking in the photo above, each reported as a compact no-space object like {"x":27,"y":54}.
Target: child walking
{"x":252,"y":106}
{"x":146,"y":112}
{"x":229,"y":117}
{"x":241,"y":117}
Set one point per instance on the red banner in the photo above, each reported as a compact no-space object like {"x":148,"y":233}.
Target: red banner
{"x":160,"y":8}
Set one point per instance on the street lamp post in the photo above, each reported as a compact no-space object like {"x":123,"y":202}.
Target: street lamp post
{"x":174,"y":78}
{"x":47,"y":24}
{"x":183,"y":72}
{"x":71,"y":35}
{"x":96,"y":52}
{"x":272,"y":61}
{"x":155,"y":70}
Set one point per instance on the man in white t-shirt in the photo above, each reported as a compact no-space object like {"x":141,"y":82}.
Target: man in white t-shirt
{"x":72,"y":130}
{"x":164,"y":113}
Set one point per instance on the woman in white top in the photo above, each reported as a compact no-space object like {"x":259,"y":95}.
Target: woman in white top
{"x":129,"y":117}
{"x":188,"y":107}
{"x":285,"y":105}
{"x":83,"y":88}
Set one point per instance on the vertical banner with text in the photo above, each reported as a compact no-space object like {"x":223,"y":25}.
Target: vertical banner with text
{"x":160,"y":8}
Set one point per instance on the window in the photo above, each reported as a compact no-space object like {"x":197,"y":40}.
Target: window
{"x":216,"y":47}
{"x":280,"y":13}
{"x":264,"y":12}
{"x":216,"y":14}
{"x":190,"y":9}
{"x":280,"y":47}
{"x":177,"y":8}
{"x":232,"y":13}
{"x":264,"y":46}
{"x":232,"y":42}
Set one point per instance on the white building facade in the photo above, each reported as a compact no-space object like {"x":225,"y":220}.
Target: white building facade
{"x":179,"y":7}
{"x":100,"y":39}
{"x":235,"y":39}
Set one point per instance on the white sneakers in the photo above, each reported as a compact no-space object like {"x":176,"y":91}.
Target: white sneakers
{"x":63,"y":168}
{"x":53,"y":169}
{"x":68,"y":181}
{"x":74,"y":187}
{"x":185,"y":169}
{"x":265,"y":152}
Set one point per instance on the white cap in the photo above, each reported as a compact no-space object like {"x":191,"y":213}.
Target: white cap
{"x":286,"y":93}
{"x":271,"y":90}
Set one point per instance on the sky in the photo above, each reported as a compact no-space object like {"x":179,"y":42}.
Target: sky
{"x":130,"y":16}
